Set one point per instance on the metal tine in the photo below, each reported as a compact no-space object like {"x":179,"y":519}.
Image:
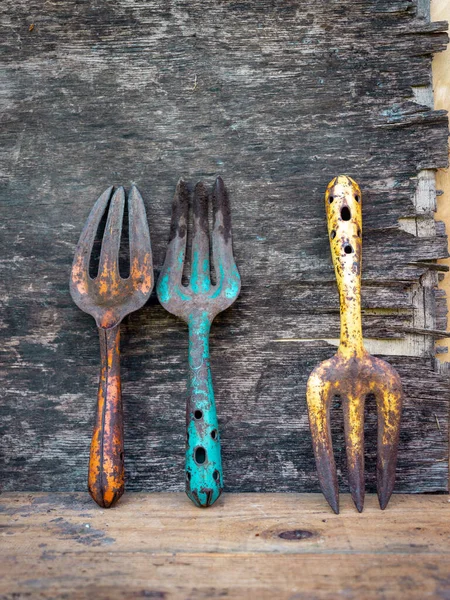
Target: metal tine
{"x":389,"y":417}
{"x":87,"y":238}
{"x":223,"y":257}
{"x":319,"y":401}
{"x":354,"y":441}
{"x":200,"y":277}
{"x":140,"y":245}
{"x":109,"y":255}
{"x":176,"y":249}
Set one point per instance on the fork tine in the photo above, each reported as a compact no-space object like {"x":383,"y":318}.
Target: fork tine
{"x":80,"y":269}
{"x":222,"y":242}
{"x":200,"y":279}
{"x":109,"y":255}
{"x":389,"y":417}
{"x":354,"y":441}
{"x":223,"y":257}
{"x":319,"y":398}
{"x":172,"y":270}
{"x":141,"y":265}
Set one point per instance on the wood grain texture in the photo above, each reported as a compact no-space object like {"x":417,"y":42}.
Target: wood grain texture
{"x":278,"y":98}
{"x":287,"y":546}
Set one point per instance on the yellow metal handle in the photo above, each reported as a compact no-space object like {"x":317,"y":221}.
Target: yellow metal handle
{"x":344,"y":217}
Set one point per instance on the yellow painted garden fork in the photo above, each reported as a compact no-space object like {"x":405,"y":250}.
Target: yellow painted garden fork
{"x":352,"y":373}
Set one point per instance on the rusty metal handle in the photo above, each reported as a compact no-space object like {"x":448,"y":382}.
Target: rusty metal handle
{"x":106,"y":467}
{"x":344,"y":218}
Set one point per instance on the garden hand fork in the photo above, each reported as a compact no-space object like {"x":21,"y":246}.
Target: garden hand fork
{"x":352,"y":373}
{"x":108,"y":298}
{"x":198,"y":304}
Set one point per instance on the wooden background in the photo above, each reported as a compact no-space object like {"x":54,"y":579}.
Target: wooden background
{"x":277,"y":98}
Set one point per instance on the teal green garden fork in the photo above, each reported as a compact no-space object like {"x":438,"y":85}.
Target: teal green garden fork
{"x":198,"y":304}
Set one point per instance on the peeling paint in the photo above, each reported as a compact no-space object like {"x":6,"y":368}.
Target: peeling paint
{"x":197,"y":304}
{"x":352,"y":374}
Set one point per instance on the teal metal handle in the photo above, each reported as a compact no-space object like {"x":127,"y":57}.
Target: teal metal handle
{"x":204,"y":479}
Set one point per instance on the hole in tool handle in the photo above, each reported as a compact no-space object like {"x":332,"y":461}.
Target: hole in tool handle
{"x":200,"y":455}
{"x":346,"y":215}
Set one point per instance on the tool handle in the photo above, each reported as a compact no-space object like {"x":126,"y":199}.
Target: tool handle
{"x":204,"y":481}
{"x":106,"y":467}
{"x":344,"y":216}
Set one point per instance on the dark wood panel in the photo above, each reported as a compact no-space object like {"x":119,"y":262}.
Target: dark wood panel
{"x":278,"y":97}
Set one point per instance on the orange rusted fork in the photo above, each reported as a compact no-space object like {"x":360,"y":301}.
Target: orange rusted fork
{"x":352,"y":373}
{"x":109,"y":298}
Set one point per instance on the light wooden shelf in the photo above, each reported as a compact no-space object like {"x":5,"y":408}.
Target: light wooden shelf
{"x":161,"y":546}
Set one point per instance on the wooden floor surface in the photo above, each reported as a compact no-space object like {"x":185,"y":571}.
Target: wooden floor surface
{"x":262,"y":546}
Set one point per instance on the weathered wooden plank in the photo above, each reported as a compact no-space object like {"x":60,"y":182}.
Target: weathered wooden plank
{"x":167,"y":522}
{"x":278,"y":97}
{"x":246,"y":546}
{"x":265,"y":436}
{"x":262,"y":577}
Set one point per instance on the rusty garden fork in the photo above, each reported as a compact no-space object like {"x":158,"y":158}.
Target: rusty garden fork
{"x":198,"y":304}
{"x":109,"y":298}
{"x":352,"y":373}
